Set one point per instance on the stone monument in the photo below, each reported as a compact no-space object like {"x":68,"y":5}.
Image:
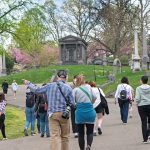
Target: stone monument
{"x":2,"y":64}
{"x":135,"y":56}
{"x":145,"y":58}
{"x":104,"y":60}
{"x":73,"y":50}
{"x":116,"y":64}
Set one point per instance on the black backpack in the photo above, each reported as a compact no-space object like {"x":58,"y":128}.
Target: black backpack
{"x":123,"y":94}
{"x":30,"y":99}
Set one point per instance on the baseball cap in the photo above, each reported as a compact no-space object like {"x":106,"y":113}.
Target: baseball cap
{"x":62,"y":73}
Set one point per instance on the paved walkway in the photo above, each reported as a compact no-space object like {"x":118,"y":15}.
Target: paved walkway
{"x":115,"y":135}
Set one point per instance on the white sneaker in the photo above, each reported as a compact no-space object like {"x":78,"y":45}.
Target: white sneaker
{"x":76,"y":135}
{"x":5,"y":139}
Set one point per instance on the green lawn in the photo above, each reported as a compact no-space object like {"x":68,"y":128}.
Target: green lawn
{"x":43,"y":75}
{"x":15,"y":121}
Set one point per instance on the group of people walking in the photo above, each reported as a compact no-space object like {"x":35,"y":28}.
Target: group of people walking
{"x":52,"y":102}
{"x":124,"y":96}
{"x":36,"y":108}
{"x":80,"y":99}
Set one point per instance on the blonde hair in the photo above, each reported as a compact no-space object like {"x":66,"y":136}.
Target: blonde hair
{"x":80,"y":80}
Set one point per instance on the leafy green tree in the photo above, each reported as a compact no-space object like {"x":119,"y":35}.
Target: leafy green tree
{"x":31,"y":32}
{"x":10,"y":11}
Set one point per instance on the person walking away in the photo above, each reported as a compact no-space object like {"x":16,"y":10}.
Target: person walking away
{"x":123,"y":96}
{"x":131,"y":104}
{"x":85,"y":114}
{"x":41,"y":107}
{"x":98,"y":108}
{"x":60,"y":99}
{"x":2,"y":115}
{"x":30,"y":115}
{"x":5,"y":87}
{"x":74,"y":125}
{"x":14,"y":88}
{"x":142,"y":97}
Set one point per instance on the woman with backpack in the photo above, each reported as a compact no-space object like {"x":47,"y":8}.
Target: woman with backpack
{"x":41,"y":107}
{"x":30,"y":114}
{"x":123,"y":96}
{"x":84,"y":114}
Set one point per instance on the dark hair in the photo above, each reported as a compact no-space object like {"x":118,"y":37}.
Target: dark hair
{"x":92,"y":84}
{"x":62,"y":73}
{"x":144,"y":79}
{"x":2,"y":97}
{"x":124,"y":80}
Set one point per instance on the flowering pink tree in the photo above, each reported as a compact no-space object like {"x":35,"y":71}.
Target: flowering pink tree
{"x":20,"y":56}
{"x":47,"y":56}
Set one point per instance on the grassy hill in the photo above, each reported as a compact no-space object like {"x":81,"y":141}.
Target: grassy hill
{"x":43,"y":75}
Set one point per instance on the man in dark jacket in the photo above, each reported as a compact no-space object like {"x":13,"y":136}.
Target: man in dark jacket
{"x":5,"y":87}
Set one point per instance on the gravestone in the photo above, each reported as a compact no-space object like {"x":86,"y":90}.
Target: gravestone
{"x":73,"y":50}
{"x":117,"y":65}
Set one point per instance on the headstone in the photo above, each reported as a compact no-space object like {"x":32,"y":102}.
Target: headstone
{"x":117,"y":65}
{"x":104,"y":60}
{"x":136,"y":57}
{"x":111,"y":78}
{"x":145,"y":58}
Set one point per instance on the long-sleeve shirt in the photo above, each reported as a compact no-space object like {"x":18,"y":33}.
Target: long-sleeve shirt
{"x":98,"y":100}
{"x":142,"y":95}
{"x":121,"y":87}
{"x":56,"y":102}
{"x":2,"y":106}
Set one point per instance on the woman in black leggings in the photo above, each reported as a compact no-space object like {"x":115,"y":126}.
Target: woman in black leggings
{"x":89,"y":133}
{"x":85,"y":113}
{"x":2,"y":115}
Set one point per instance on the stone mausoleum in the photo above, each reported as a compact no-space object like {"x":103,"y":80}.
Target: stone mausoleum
{"x":73,"y":50}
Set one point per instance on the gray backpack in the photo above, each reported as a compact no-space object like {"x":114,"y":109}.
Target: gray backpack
{"x":123,"y":94}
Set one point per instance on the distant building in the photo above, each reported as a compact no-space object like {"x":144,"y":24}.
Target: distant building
{"x":73,"y":50}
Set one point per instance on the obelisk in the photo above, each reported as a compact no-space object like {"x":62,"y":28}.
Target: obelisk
{"x":4,"y":64}
{"x":136,"y":57}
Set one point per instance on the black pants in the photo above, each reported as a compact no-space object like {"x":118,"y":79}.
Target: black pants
{"x":144,"y":112}
{"x":74,"y":125}
{"x":89,"y":132}
{"x":2,"y":125}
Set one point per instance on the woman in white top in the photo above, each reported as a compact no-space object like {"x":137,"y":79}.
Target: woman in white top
{"x":123,"y":96}
{"x":98,"y":107}
{"x":14,"y":86}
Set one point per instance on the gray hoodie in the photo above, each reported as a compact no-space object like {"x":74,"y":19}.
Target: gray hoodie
{"x":142,"y":95}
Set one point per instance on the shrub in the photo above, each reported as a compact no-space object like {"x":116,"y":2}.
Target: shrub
{"x":9,"y":63}
{"x":124,"y":60}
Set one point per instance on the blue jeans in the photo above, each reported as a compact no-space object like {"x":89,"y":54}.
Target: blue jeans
{"x":30,"y":118}
{"x":44,"y":123}
{"x":124,"y":109}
